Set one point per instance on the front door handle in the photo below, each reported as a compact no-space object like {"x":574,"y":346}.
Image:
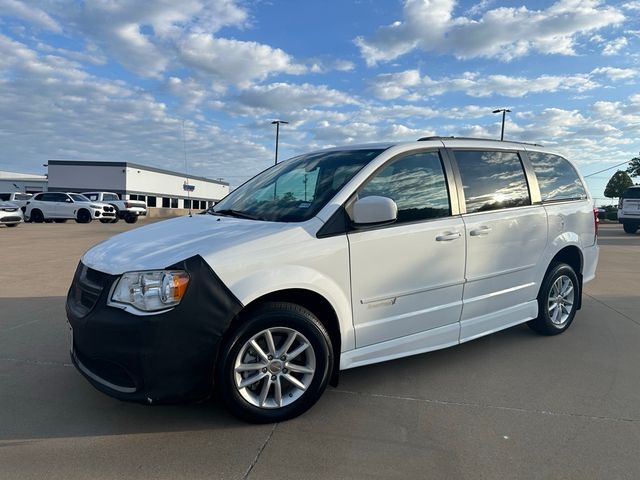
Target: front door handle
{"x":448,"y":236}
{"x":480,"y":232}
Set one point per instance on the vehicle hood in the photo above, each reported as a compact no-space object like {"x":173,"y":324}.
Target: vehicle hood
{"x":165,"y":243}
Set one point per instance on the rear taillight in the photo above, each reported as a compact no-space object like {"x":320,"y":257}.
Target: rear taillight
{"x":596,"y":220}
{"x":127,"y":205}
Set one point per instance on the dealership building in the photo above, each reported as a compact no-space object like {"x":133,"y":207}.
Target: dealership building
{"x":22,"y":182}
{"x":161,"y":189}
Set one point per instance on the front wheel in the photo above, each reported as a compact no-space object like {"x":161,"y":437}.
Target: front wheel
{"x":557,"y":300}
{"x":276,"y":365}
{"x":630,"y":227}
{"x":84,"y":216}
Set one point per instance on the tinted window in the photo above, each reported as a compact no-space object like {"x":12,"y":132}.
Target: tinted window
{"x":109,"y":197}
{"x":92,"y":196}
{"x":22,"y":196}
{"x":77,"y":198}
{"x":416,"y":183}
{"x":557,"y":178}
{"x":53,"y":197}
{"x":5,"y":196}
{"x":631,"y":193}
{"x":492,"y":180}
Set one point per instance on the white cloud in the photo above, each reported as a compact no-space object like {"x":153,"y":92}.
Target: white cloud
{"x":504,"y":32}
{"x":409,"y":85}
{"x":29,"y":13}
{"x":285,"y":97}
{"x":234,"y":61}
{"x":615,"y":46}
{"x":614,"y":73}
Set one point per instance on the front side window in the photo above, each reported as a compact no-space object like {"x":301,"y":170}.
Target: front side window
{"x":296,"y":189}
{"x":557,"y":178}
{"x":416,"y":183}
{"x":492,"y":180}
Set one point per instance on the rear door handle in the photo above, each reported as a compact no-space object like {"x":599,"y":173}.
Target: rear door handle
{"x":448,"y":236}
{"x":479,"y":232}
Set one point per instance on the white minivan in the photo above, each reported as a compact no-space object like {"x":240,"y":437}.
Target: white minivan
{"x":333,"y":260}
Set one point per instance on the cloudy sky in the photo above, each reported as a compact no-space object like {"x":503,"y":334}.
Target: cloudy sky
{"x":117,"y":79}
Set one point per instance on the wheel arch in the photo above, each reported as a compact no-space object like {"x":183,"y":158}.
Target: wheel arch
{"x":312,"y":301}
{"x":572,"y":256}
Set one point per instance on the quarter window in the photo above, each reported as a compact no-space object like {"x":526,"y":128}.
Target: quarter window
{"x":416,"y":183}
{"x":557,"y":178}
{"x":492,"y":180}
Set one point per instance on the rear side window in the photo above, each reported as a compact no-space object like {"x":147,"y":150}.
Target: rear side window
{"x":91,"y":196}
{"x":557,"y":178}
{"x":631,"y":193}
{"x":416,"y":183}
{"x":492,"y":180}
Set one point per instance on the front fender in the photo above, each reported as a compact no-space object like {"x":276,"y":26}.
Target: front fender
{"x":263,"y":282}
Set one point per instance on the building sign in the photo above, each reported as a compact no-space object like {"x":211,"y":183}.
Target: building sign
{"x":188,"y":188}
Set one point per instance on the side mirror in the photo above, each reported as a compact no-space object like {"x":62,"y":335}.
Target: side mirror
{"x":374,"y":210}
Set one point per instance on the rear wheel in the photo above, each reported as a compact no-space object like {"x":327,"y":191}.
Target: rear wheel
{"x":131,"y":218}
{"x":36,"y":216}
{"x":84,"y":216}
{"x":630,"y":227}
{"x":557,"y":300}
{"x":276,"y":365}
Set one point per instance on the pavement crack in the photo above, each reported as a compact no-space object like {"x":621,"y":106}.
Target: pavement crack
{"x":611,"y":308}
{"x":487,"y":406}
{"x":35,"y":362}
{"x":257,"y":457}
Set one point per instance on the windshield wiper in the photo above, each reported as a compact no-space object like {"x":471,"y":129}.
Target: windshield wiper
{"x":235,"y":213}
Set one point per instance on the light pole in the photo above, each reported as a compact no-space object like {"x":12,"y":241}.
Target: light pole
{"x":504,"y":112}
{"x":277,"y":124}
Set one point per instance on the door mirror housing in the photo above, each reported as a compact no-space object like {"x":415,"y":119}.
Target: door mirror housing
{"x":374,"y":210}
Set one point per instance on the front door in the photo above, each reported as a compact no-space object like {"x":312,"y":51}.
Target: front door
{"x":408,"y":277}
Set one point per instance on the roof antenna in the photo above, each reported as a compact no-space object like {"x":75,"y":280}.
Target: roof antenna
{"x":186,"y":185}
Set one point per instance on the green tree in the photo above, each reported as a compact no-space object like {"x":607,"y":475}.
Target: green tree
{"x":634,"y":167}
{"x":618,"y":183}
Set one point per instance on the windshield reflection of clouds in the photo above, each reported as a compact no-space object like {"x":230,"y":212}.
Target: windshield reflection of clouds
{"x":492,"y":180}
{"x":416,"y":183}
{"x":556,"y":177}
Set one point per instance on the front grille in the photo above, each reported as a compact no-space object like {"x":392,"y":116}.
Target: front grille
{"x":10,"y":219}
{"x":86,"y":288}
{"x":108,"y":209}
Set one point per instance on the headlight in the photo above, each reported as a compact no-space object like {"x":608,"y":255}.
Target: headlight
{"x":151,"y":291}
{"x":99,"y":207}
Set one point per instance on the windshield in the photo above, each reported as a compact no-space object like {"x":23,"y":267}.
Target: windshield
{"x":295,"y":190}
{"x":79,"y":198}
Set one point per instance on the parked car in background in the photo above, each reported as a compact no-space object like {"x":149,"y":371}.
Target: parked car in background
{"x":629,"y":209}
{"x":10,"y":214}
{"x":17,"y":198}
{"x":128,"y":210}
{"x":362,"y":254}
{"x":60,"y":207}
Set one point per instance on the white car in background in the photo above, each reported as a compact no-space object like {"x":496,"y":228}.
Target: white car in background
{"x":629,"y":209}
{"x":10,"y":214}
{"x":60,"y":207}
{"x":17,"y":198}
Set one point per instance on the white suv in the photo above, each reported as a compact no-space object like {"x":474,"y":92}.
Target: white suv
{"x":333,"y":260}
{"x":629,"y":209}
{"x":60,"y":207}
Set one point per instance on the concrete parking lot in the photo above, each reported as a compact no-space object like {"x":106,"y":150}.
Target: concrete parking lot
{"x":510,"y":405}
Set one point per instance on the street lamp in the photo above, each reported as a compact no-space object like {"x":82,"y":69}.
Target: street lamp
{"x":504,"y":111}
{"x":277,"y":124}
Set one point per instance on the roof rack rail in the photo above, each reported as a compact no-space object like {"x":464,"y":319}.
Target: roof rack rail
{"x":437,"y":137}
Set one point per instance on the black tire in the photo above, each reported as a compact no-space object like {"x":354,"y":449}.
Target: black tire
{"x":36,"y":216}
{"x":630,"y":227}
{"x":84,"y":216}
{"x":274,"y":316}
{"x":131,"y":218}
{"x":60,"y":220}
{"x":554,"y":323}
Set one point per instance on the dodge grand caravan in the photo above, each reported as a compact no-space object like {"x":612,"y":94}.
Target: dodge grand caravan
{"x":333,"y":260}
